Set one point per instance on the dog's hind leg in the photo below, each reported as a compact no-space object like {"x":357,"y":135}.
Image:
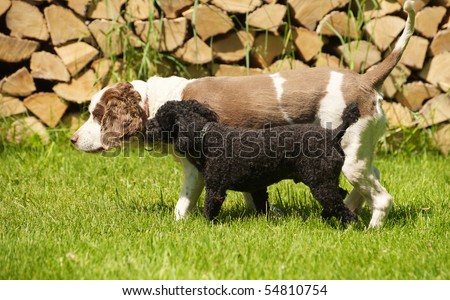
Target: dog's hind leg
{"x":261,"y":200}
{"x":359,"y":144}
{"x":190,"y":191}
{"x":213,"y":202}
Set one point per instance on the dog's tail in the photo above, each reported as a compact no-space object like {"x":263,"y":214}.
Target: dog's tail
{"x":379,"y":73}
{"x":349,"y":116}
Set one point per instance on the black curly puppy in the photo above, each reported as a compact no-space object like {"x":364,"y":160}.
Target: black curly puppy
{"x":250,"y":160}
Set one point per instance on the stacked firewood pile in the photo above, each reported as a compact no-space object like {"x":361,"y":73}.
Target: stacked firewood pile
{"x":55,"y":54}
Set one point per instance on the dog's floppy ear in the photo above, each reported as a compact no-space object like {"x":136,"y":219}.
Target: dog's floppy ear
{"x":123,"y":116}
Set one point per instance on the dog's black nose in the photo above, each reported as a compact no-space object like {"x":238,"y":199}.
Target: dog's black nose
{"x":74,"y":138}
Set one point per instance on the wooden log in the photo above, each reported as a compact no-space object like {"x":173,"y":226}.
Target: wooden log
{"x":141,"y":10}
{"x":64,"y":25}
{"x":4,"y":6}
{"x":196,"y":71}
{"x":380,"y":8}
{"x":10,"y":106}
{"x":195,"y":51}
{"x":233,"y":46}
{"x":171,"y":8}
{"x":441,"y":139}
{"x":48,"y":107}
{"x":435,"y":111}
{"x":395,"y":80}
{"x":307,"y":42}
{"x":79,"y":90}
{"x":285,"y":64}
{"x":327,"y":60}
{"x":237,"y":6}
{"x":418,"y":4}
{"x":23,"y":129}
{"x":397,"y":115}
{"x":434,"y":72}
{"x":308,"y":12}
{"x":19,"y":83}
{"x":268,"y":17}
{"x":265,"y":49}
{"x":428,"y":20}
{"x":104,"y":9}
{"x":415,"y":53}
{"x":103,"y":70}
{"x":166,"y":34}
{"x":359,"y":55}
{"x":112,"y":36}
{"x":445,"y":3}
{"x":209,"y":20}
{"x":45,"y":65}
{"x":15,"y":50}
{"x":26,"y":21}
{"x":440,"y":43}
{"x":79,"y":6}
{"x":76,"y":56}
{"x":412,"y":95}
{"x":338,"y":23}
{"x":229,"y":70}
{"x":377,"y":30}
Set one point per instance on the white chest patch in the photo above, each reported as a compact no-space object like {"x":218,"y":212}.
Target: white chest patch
{"x":333,"y":104}
{"x":278,"y":82}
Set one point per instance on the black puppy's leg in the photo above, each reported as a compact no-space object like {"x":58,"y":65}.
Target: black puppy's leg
{"x":213,"y":202}
{"x":329,"y":196}
{"x":261,"y":200}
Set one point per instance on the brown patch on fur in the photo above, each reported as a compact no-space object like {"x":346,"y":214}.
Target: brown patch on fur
{"x":120,"y":114}
{"x":248,"y":101}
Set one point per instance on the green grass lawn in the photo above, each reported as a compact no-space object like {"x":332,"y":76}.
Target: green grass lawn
{"x":65,"y":214}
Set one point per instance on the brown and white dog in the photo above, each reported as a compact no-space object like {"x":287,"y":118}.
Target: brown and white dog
{"x":288,"y":97}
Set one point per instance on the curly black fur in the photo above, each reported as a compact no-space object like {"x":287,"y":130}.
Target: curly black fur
{"x":251,"y":160}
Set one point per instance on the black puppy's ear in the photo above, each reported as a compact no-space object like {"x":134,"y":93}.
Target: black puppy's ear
{"x":201,"y":109}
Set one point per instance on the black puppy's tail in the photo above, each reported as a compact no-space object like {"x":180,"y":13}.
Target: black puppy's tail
{"x":349,"y":117}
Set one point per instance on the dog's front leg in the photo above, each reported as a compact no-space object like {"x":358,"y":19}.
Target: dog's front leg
{"x":190,"y":191}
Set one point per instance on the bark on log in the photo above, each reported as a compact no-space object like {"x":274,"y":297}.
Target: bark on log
{"x":195,"y":51}
{"x":428,"y":20}
{"x":308,"y":43}
{"x":171,"y":8}
{"x":110,"y":36}
{"x":45,"y":65}
{"x":10,"y":106}
{"x":359,"y":55}
{"x":47,"y":107}
{"x":233,"y":47}
{"x":15,"y":50}
{"x":436,"y":70}
{"x":209,"y":20}
{"x":25,"y":20}
{"x":268,"y":17}
{"x":415,"y":53}
{"x":440,"y":43}
{"x":380,"y":35}
{"x":338,"y":23}
{"x":76,"y":56}
{"x":229,"y":70}
{"x":79,"y":90}
{"x":308,"y":12}
{"x":237,"y":6}
{"x":415,"y":93}
{"x":166,"y":34}
{"x":19,"y":83}
{"x":63,"y":25}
